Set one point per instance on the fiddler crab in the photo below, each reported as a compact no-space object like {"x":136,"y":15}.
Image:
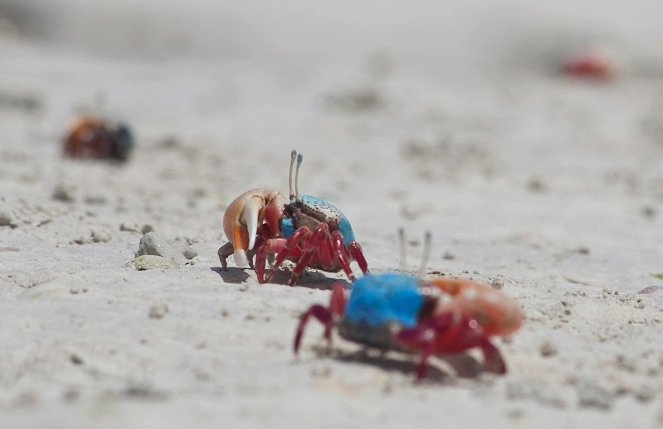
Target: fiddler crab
{"x":304,"y":229}
{"x":395,"y":311}
{"x":98,"y":138}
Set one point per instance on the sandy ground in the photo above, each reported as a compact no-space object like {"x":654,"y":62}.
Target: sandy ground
{"x":549,"y":187}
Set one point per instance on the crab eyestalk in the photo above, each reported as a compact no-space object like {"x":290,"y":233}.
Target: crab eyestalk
{"x":294,"y":192}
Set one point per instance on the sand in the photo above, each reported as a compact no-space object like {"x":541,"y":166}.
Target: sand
{"x":548,"y":187}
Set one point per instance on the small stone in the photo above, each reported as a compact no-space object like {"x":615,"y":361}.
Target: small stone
{"x":146,"y":228}
{"x":129,"y":228}
{"x":652,"y":289}
{"x":536,"y":185}
{"x":100,"y":237}
{"x":644,"y":393}
{"x":95,"y":199}
{"x":448,"y":256}
{"x":158,"y":311}
{"x":583,"y":250}
{"x":75,"y":290}
{"x":70,"y":395}
{"x":189,"y":253}
{"x":152,"y":244}
{"x":649,"y":211}
{"x":548,"y":349}
{"x":497,"y":284}
{"x":591,"y":395}
{"x":63,"y":193}
{"x":626,"y":363}
{"x":148,"y":262}
{"x":7,"y":218}
{"x":75,"y":359}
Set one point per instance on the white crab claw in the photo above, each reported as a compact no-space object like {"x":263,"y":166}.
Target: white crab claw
{"x":251,"y":213}
{"x":240,"y":258}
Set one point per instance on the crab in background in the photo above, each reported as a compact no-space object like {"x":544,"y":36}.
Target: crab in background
{"x":429,"y":317}
{"x":591,"y":64}
{"x":98,"y":138}
{"x":304,"y":229}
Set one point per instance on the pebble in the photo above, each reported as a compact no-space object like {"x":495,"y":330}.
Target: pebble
{"x":649,"y":211}
{"x":189,"y":253}
{"x":548,"y":349}
{"x":7,"y":218}
{"x":591,"y":395}
{"x":536,"y":185}
{"x":497,"y":284}
{"x":129,"y":227}
{"x":158,"y":311}
{"x":152,"y":244}
{"x":100,"y":237}
{"x":148,"y":262}
{"x":651,"y":289}
{"x":448,"y":256}
{"x":95,"y":199}
{"x":63,"y":193}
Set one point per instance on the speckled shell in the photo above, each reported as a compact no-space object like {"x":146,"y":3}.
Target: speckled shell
{"x":331,"y":213}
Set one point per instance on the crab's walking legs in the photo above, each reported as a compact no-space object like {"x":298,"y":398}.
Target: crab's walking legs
{"x":325,"y":315}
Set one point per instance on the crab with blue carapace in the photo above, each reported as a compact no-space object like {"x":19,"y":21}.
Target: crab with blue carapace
{"x":307,"y":230}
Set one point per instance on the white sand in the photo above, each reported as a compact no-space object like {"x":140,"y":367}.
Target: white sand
{"x":551,"y":187}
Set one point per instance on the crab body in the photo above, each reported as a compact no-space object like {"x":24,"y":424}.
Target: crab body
{"x":310,"y":211}
{"x":93,"y":137}
{"x":307,"y":230}
{"x":379,"y":305}
{"x":429,"y":317}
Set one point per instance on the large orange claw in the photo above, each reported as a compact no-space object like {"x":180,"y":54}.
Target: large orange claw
{"x":244,"y":216}
{"x":497,"y":313}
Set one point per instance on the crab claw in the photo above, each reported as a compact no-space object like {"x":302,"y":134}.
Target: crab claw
{"x":244,"y":216}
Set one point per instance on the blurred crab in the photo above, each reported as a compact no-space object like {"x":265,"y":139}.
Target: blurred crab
{"x":94,"y":137}
{"x":395,"y":311}
{"x":304,"y":229}
{"x":591,"y":64}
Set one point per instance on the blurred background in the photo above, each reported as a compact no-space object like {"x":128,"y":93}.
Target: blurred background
{"x":444,"y":34}
{"x":526,"y":135}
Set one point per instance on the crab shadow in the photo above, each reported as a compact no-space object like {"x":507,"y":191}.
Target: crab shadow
{"x":310,"y":279}
{"x":462,"y":364}
{"x":232,"y":275}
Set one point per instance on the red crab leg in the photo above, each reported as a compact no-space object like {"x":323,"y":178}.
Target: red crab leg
{"x":338,"y":300}
{"x":261,"y":259}
{"x":336,"y":307}
{"x":311,"y":245}
{"x":441,"y":334}
{"x":342,"y":254}
{"x":493,"y":360}
{"x":289,"y":248}
{"x":326,"y":315}
{"x":358,"y":255}
{"x":275,"y":245}
{"x":319,"y":312}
